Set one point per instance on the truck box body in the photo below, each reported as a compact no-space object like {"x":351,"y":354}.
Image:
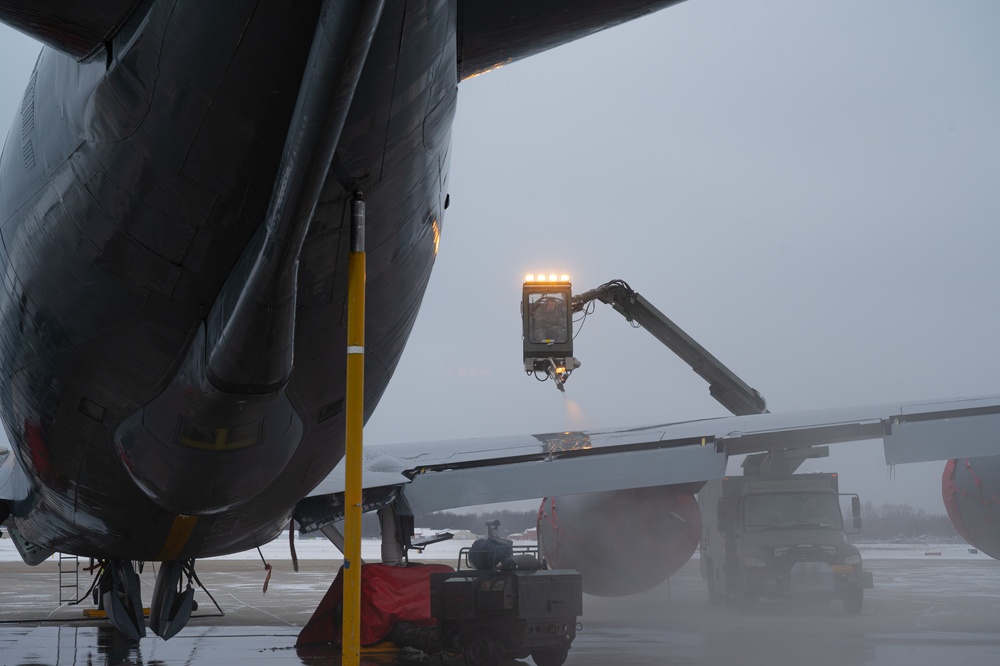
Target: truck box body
{"x":778,"y":536}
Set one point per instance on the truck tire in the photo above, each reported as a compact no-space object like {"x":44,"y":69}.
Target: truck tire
{"x":853,"y":600}
{"x":746,"y":602}
{"x":554,"y":656}
{"x":480,"y":650}
{"x":714,"y":597}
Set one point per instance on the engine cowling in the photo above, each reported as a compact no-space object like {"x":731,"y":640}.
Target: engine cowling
{"x":971,"y":490}
{"x":622,"y":542}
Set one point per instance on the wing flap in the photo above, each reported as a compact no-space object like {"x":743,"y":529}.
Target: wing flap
{"x":14,"y":484}
{"x":936,"y":431}
{"x":74,"y":27}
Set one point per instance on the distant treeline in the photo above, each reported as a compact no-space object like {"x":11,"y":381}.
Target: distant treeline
{"x":888,"y":522}
{"x":511,"y":522}
{"x":901,"y":522}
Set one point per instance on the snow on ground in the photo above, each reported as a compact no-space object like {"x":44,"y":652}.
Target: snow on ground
{"x":306,"y":549}
{"x":911,"y":551}
{"x":321,"y":549}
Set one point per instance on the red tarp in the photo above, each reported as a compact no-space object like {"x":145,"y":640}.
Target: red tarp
{"x":388,"y":595}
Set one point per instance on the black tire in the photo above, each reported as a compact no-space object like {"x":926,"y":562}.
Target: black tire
{"x":480,"y":650}
{"x":714,"y":597}
{"x":550,"y":656}
{"x":746,"y":602}
{"x":853,"y":600}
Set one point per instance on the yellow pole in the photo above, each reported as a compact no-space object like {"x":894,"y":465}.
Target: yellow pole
{"x":355,"y":417}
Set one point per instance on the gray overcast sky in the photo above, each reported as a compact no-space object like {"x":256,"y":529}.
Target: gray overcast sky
{"x":809,"y":189}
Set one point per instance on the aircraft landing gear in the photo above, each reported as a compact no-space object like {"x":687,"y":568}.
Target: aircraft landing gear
{"x":171,"y":607}
{"x":118,"y":589}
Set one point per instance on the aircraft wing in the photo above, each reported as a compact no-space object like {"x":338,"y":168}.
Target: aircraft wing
{"x":14,"y":484}
{"x":437,"y":475}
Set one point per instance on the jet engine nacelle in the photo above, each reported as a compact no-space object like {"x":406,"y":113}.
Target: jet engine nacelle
{"x":971,"y":489}
{"x":622,"y":542}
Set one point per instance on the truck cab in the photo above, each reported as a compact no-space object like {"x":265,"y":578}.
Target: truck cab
{"x":779,"y":537}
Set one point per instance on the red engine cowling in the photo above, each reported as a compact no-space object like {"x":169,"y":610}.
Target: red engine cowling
{"x":971,"y":489}
{"x":622,"y":542}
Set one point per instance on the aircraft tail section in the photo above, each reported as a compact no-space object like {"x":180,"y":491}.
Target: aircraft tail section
{"x":492,"y":33}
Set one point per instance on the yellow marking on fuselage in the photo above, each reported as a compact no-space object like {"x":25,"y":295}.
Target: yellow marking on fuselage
{"x":180,"y":532}
{"x":220,"y":442}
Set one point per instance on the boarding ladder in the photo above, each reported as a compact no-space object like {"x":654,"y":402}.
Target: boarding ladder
{"x":69,"y":578}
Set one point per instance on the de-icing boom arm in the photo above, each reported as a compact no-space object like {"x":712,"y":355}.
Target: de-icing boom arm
{"x":724,"y":385}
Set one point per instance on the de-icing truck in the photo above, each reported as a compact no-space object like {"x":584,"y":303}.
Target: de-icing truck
{"x":779,"y":536}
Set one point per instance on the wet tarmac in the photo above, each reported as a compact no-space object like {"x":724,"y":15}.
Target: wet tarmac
{"x":922,"y":611}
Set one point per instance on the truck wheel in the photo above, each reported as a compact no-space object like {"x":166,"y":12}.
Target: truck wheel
{"x":480,"y":650}
{"x":853,"y":599}
{"x":745,"y":602}
{"x":714,"y":598}
{"x":554,"y":656}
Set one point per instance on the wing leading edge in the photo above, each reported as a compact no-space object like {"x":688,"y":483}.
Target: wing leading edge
{"x":432,"y":476}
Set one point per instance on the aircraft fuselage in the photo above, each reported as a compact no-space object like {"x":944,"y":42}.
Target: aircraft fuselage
{"x":133,"y":186}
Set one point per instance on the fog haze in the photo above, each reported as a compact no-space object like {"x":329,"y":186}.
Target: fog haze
{"x":809,"y":189}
